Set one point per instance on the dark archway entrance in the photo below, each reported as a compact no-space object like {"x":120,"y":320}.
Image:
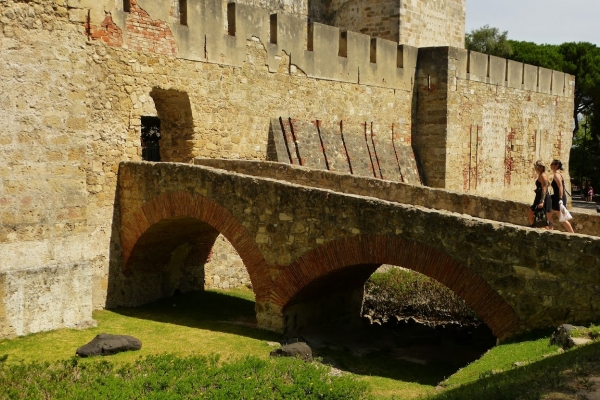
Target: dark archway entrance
{"x":176,"y":125}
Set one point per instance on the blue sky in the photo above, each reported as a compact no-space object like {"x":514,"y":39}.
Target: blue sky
{"x":539,"y":21}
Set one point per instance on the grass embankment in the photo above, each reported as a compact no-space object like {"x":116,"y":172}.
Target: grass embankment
{"x":197,"y":345}
{"x":527,"y":369}
{"x":202,"y":345}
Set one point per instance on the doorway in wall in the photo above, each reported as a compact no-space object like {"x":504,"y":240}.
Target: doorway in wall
{"x":150,"y":138}
{"x":176,"y":125}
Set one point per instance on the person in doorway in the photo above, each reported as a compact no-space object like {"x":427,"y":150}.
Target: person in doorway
{"x":542,"y":197}
{"x":585,"y":187}
{"x":559,"y":194}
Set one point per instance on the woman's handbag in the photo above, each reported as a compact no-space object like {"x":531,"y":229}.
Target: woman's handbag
{"x":565,"y":215}
{"x":540,"y":219}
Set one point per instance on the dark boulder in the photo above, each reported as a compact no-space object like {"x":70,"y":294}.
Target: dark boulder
{"x":562,"y":336}
{"x":298,"y":349}
{"x":106,"y":344}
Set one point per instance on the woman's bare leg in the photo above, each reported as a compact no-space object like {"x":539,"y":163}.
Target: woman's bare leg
{"x":566,"y":224}
{"x":530,"y":216}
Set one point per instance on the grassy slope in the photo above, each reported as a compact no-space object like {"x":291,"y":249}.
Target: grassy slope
{"x":194,"y":324}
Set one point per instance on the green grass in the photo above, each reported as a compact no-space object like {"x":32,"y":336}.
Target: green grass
{"x":540,"y":378}
{"x":190,"y":330}
{"x":170,"y":377}
{"x":194,"y":323}
{"x":503,"y":357}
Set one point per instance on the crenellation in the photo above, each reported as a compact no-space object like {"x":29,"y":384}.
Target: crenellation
{"x":514,"y":74}
{"x":478,"y":67}
{"x":558,"y":83}
{"x":496,"y":70}
{"x":544,"y":80}
{"x":502,"y":72}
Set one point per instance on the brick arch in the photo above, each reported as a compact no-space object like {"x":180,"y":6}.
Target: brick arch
{"x":194,"y":206}
{"x":378,"y":249}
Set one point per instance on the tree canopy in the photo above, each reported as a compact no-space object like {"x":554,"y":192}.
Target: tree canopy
{"x":489,"y":40}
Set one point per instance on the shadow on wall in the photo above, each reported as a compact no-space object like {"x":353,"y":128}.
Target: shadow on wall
{"x":177,"y":125}
{"x":168,"y":258}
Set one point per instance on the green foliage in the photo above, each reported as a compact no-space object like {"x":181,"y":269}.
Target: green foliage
{"x":541,"y":55}
{"x":489,"y":40}
{"x":584,"y":163}
{"x":534,"y":380}
{"x":169,"y":377}
{"x":405,"y":293}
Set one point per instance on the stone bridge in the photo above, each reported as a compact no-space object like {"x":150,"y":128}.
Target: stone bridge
{"x":310,"y":240}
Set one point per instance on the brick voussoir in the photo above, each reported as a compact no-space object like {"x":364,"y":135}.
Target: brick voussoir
{"x":390,"y":250}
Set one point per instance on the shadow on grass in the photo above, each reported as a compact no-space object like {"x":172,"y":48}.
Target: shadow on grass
{"x":227,"y":313}
{"x":204,"y":310}
{"x":382,"y":364}
{"x":530,"y":381}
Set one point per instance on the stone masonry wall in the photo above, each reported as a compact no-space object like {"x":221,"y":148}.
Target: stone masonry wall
{"x":483,"y":121}
{"x":75,"y":82}
{"x":425,"y":23}
{"x":45,"y":247}
{"x":497,"y":134}
{"x":294,"y":7}
{"x":377,"y":19}
{"x":230,"y":117}
{"x":62,"y":145}
{"x":419,"y":23}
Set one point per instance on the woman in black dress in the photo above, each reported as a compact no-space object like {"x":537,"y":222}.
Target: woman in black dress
{"x":559,"y":195}
{"x":542,"y":197}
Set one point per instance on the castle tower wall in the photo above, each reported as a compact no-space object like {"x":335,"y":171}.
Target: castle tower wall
{"x":427,"y":23}
{"x":419,"y":23}
{"x":483,"y":121}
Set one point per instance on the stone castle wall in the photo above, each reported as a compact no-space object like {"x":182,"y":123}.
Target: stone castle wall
{"x":501,"y":117}
{"x":419,"y":23}
{"x":425,"y":23}
{"x":76,"y":81}
{"x":62,"y":146}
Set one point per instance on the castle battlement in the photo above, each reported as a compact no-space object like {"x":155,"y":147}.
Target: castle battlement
{"x":320,"y":51}
{"x":211,"y":33}
{"x":485,"y":68}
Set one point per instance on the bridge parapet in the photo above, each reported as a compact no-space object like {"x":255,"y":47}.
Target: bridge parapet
{"x":512,"y":212}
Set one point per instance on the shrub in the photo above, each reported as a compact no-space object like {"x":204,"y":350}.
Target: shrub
{"x":170,"y":377}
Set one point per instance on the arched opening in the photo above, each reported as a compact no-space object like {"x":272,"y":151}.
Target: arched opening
{"x":180,"y":242}
{"x":169,"y":257}
{"x":330,"y":313}
{"x":177,"y":126}
{"x":368,"y":252}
